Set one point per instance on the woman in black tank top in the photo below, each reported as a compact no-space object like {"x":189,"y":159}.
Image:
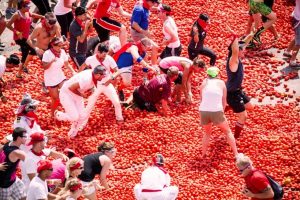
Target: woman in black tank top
{"x":97,"y":163}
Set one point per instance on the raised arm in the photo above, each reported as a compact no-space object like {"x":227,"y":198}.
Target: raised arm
{"x":123,"y":13}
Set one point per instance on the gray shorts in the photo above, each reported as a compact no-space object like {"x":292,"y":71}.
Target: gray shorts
{"x":136,"y":36}
{"x":212,"y":117}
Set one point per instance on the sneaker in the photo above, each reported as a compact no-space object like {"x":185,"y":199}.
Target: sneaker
{"x":25,"y":69}
{"x":257,"y":39}
{"x":73,"y":130}
{"x":294,"y":65}
{"x":287,"y":54}
{"x":121,"y":95}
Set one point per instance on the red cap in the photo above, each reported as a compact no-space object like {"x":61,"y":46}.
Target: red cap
{"x":36,"y":137}
{"x":44,"y":165}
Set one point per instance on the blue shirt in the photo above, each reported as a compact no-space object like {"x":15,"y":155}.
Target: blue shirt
{"x":140,"y":15}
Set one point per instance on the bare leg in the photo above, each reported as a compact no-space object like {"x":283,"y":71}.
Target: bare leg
{"x":53,"y":92}
{"x":206,"y":138}
{"x":230,"y":138}
{"x":123,"y":35}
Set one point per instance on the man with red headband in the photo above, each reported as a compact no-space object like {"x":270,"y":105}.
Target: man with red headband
{"x":170,"y":31}
{"x":104,"y":24}
{"x":198,"y":34}
{"x":36,"y":154}
{"x":10,"y":155}
{"x":155,"y":182}
{"x":38,"y":186}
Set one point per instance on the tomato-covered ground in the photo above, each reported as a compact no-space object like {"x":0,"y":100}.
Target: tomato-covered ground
{"x":271,"y":137}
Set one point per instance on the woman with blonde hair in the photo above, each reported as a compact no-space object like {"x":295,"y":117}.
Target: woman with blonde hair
{"x":74,"y":168}
{"x":72,"y":190}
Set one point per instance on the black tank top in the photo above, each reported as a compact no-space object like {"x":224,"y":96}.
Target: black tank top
{"x":234,"y":79}
{"x":91,"y":167}
{"x":201,"y":33}
{"x":8,"y":177}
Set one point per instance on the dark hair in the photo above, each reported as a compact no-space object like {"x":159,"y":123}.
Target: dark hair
{"x":79,"y":11}
{"x":22,"y":3}
{"x":103,"y":48}
{"x":204,"y":17}
{"x":13,"y":59}
{"x":167,"y":8}
{"x":18,"y":132}
{"x":198,"y":62}
{"x":105,"y":146}
{"x":53,"y":41}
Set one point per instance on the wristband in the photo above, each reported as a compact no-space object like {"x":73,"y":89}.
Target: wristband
{"x":139,"y":59}
{"x":145,"y":69}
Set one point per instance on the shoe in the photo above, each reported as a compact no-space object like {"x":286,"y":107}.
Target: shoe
{"x":2,"y":44}
{"x":287,"y":54}
{"x":44,"y":88}
{"x":25,"y":69}
{"x":294,"y":65}
{"x":257,"y":39}
{"x":251,"y":45}
{"x":1,"y":49}
{"x":121,"y":95}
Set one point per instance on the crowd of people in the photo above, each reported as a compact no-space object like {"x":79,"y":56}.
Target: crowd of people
{"x":104,"y":64}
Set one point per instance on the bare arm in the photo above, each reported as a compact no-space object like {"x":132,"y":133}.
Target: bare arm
{"x":16,"y":155}
{"x":185,"y":75}
{"x":137,"y":27}
{"x":83,"y":36}
{"x":82,"y":67}
{"x":56,"y":154}
{"x":234,"y":59}
{"x":224,"y":98}
{"x":123,"y":13}
{"x":195,"y":34}
{"x":165,"y":107}
{"x":105,"y":168}
{"x":33,"y":36}
{"x":11,"y":21}
{"x":37,"y":16}
{"x":92,"y":4}
{"x":265,"y":194}
{"x":135,"y":54}
{"x":67,"y":4}
{"x":172,"y":34}
{"x":70,"y":68}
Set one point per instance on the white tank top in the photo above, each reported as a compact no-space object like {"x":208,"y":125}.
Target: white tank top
{"x":171,"y":24}
{"x":212,"y":95}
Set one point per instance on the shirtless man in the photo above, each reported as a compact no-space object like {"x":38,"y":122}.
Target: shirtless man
{"x":41,"y":36}
{"x":43,"y":33}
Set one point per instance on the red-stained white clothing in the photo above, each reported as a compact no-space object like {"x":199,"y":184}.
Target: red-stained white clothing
{"x":105,"y":7}
{"x":37,"y":189}
{"x":155,"y":185}
{"x":168,"y":62}
{"x":2,"y":65}
{"x":54,"y":75}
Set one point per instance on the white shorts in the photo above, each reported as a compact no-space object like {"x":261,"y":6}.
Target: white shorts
{"x":88,"y":190}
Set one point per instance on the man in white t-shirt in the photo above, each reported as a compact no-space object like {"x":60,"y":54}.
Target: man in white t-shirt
{"x":72,"y":96}
{"x":36,"y":154}
{"x":101,"y":58}
{"x":38,"y":186}
{"x":6,"y":63}
{"x":155,"y":183}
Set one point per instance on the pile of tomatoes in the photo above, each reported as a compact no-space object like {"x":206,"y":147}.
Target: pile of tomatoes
{"x":270,"y":139}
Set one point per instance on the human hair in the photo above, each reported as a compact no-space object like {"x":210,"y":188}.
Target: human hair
{"x":166,"y":8}
{"x":13,"y":59}
{"x":243,"y":161}
{"x":103,"y":48}
{"x":72,"y":185}
{"x":99,"y":70}
{"x":54,"y":41}
{"x":18,"y":132}
{"x":172,"y":71}
{"x":72,"y":163}
{"x":105,"y":146}
{"x":49,"y":15}
{"x":204,"y":17}
{"x":198,"y":62}
{"x":22,"y":3}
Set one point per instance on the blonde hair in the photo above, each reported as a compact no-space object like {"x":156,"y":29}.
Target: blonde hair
{"x":243,"y":160}
{"x":105,"y":146}
{"x":71,"y":163}
{"x":69,"y":184}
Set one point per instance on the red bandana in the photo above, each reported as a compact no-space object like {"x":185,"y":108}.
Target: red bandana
{"x":76,"y":166}
{"x":76,"y":187}
{"x":202,"y":23}
{"x":55,"y":53}
{"x":44,"y":165}
{"x":36,"y":153}
{"x":80,"y":22}
{"x":31,"y":116}
{"x":145,"y":5}
{"x":100,"y":59}
{"x":161,"y":168}
{"x":44,"y":25}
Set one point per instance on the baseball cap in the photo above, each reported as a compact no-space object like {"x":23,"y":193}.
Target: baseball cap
{"x":213,"y":71}
{"x":36,"y":137}
{"x":80,"y":11}
{"x":44,"y":165}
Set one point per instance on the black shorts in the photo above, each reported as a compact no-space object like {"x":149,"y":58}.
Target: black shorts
{"x":178,"y":80}
{"x":237,"y":100}
{"x":167,"y":52}
{"x":141,"y":104}
{"x":104,"y":25}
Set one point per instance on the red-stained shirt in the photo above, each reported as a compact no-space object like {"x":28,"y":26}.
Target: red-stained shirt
{"x":256,"y":182}
{"x":104,"y":8}
{"x":157,"y":89}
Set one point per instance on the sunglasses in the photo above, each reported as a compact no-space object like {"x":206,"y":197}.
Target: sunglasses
{"x":51,"y":169}
{"x":51,"y":21}
{"x":242,"y":170}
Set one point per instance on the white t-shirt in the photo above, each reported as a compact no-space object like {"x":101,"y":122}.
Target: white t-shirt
{"x":154,"y":178}
{"x":29,"y":166}
{"x":37,"y":189}
{"x":60,"y":8}
{"x":54,"y":75}
{"x":84,"y":79}
{"x":2,"y":65}
{"x":108,"y":62}
{"x":169,"y":22}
